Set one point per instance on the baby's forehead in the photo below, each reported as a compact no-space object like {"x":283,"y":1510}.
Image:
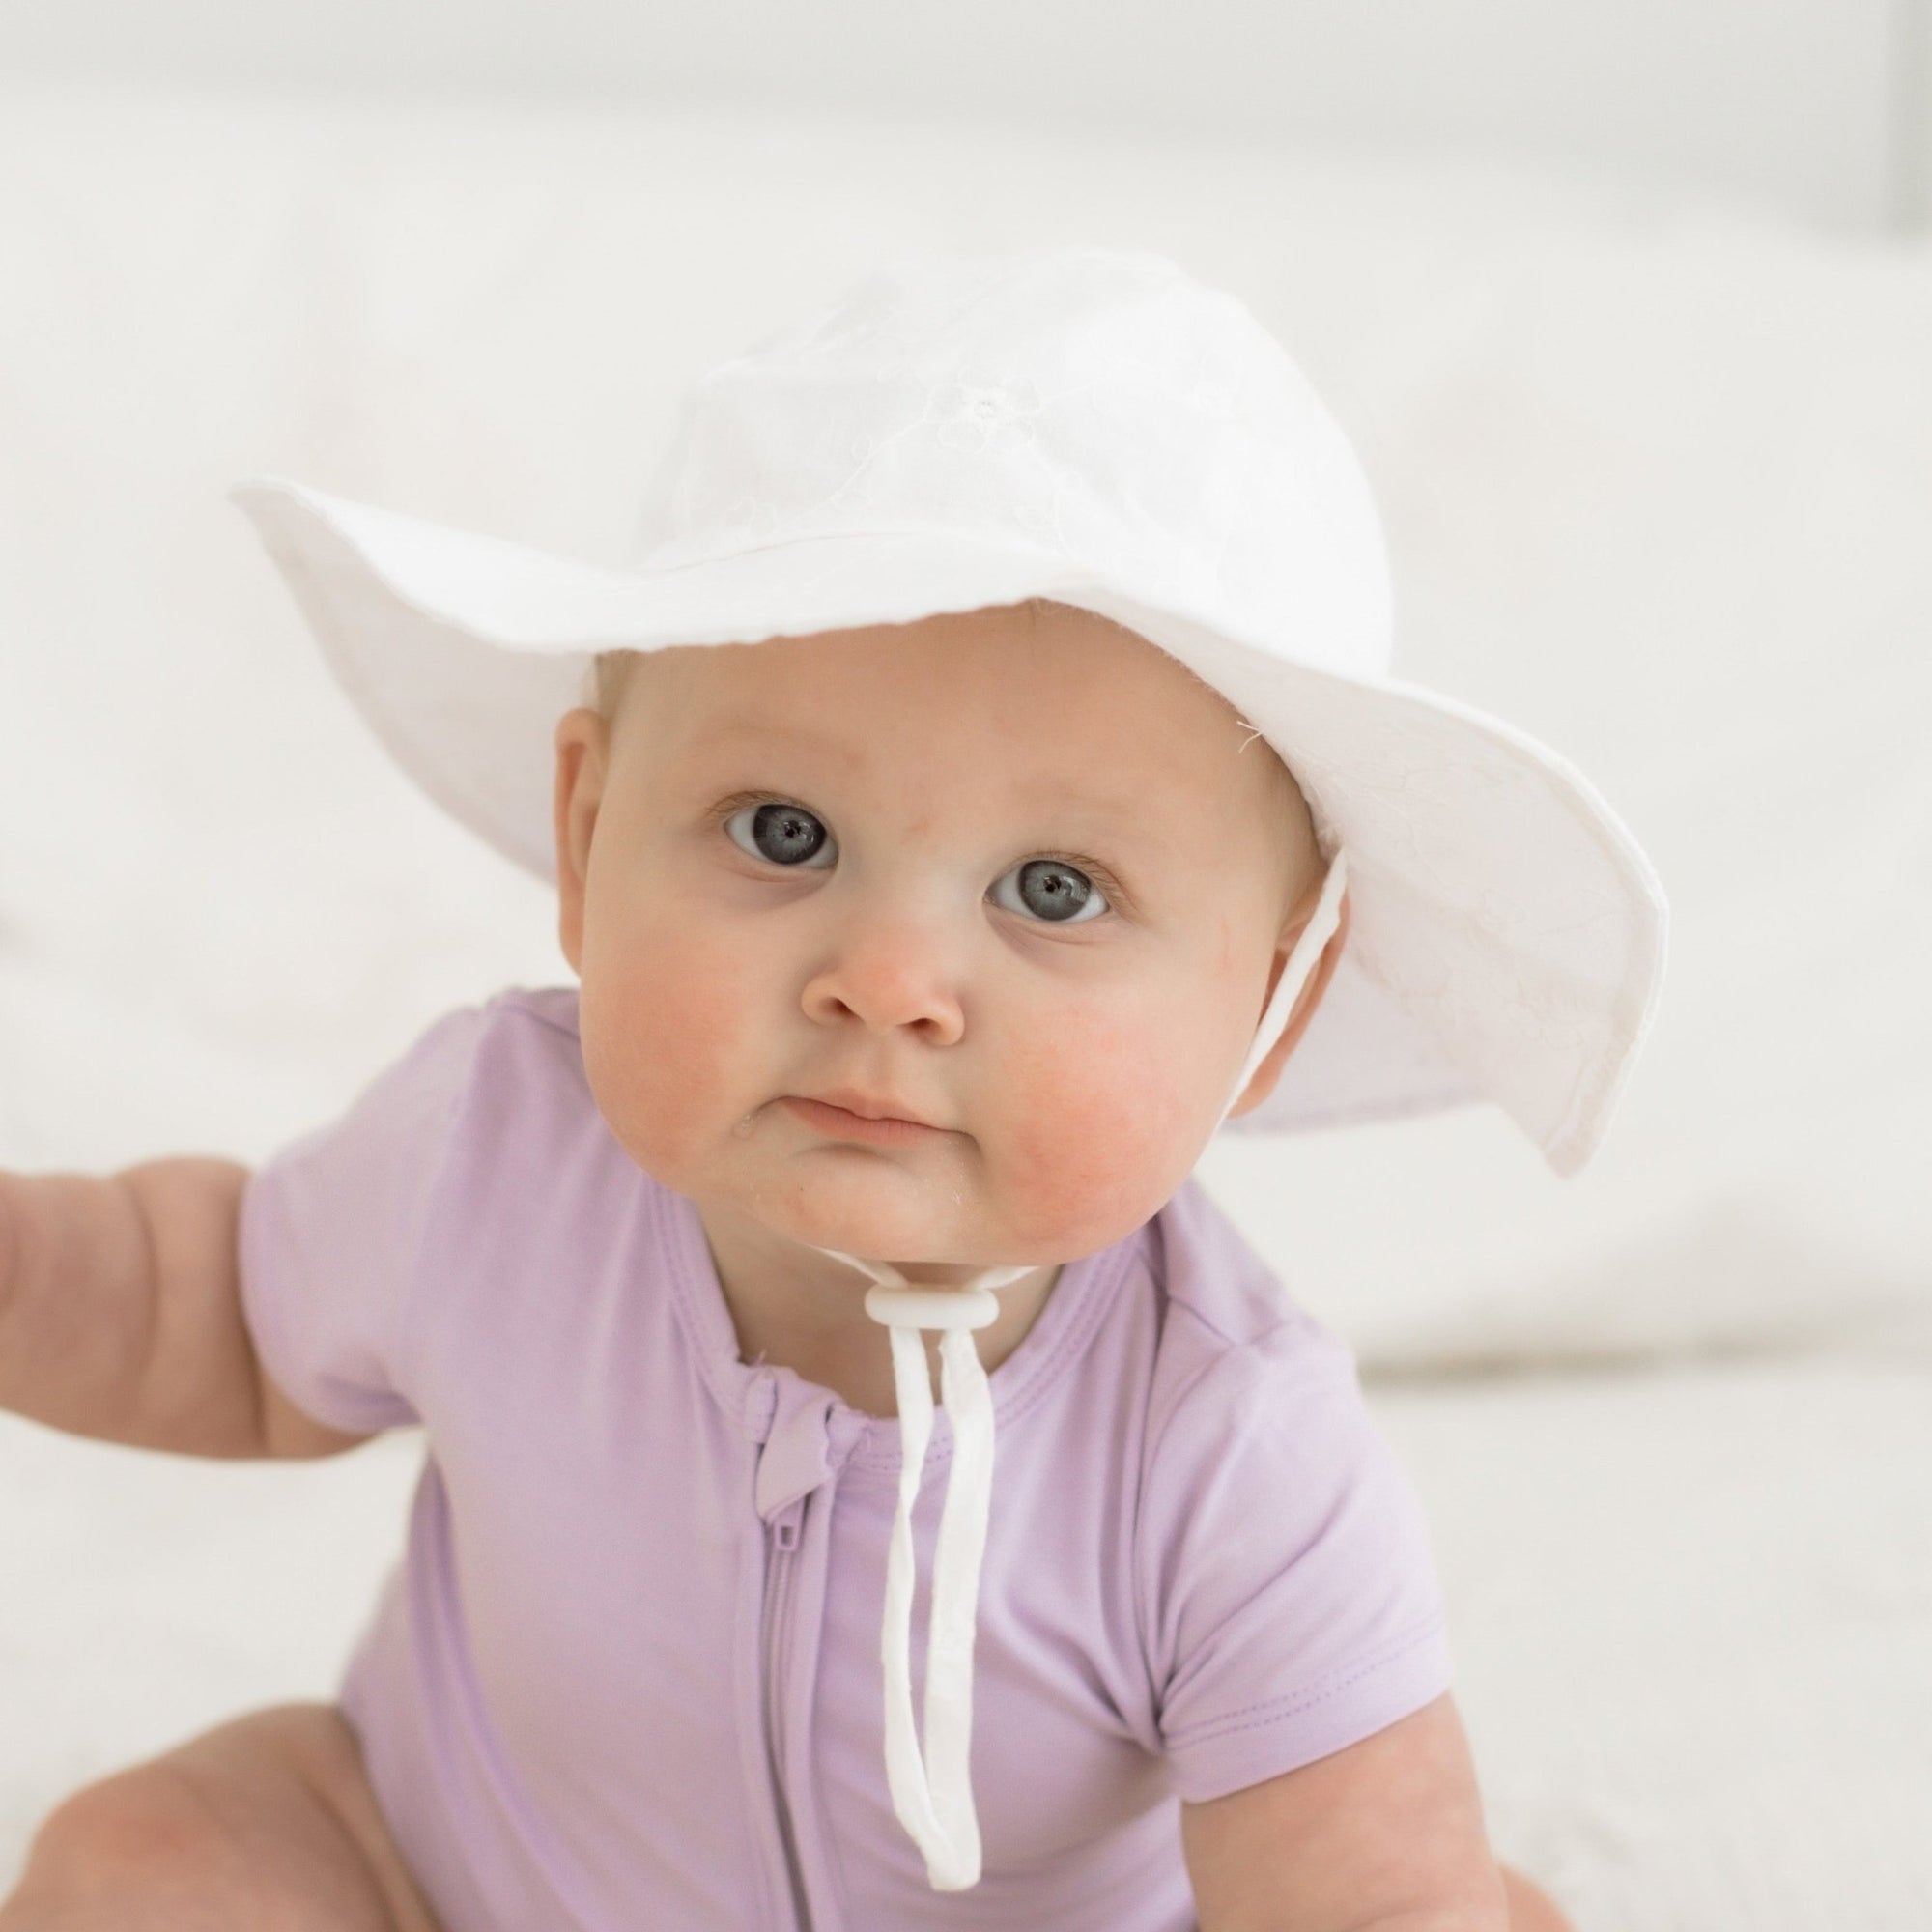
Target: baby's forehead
{"x":1063,"y":701}
{"x":1033,"y":677}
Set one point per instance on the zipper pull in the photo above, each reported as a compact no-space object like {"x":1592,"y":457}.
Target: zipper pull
{"x":786,"y":1524}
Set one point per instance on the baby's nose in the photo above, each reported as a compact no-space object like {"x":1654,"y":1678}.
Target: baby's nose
{"x":887,"y":975}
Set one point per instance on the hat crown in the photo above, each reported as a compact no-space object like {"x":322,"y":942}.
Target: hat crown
{"x":1096,"y":405}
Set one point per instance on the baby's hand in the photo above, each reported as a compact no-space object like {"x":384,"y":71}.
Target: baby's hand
{"x":121,"y":1313}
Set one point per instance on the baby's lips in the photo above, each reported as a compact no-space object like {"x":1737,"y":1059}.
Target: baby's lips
{"x":870,"y":1106}
{"x":841,"y":1123}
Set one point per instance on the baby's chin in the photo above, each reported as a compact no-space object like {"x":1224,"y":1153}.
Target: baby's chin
{"x":857,"y":1203}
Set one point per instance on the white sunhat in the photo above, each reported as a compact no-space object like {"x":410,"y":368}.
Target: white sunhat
{"x":1089,"y":425}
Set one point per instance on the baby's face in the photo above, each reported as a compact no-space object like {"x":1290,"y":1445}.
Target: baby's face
{"x":1008,"y":875}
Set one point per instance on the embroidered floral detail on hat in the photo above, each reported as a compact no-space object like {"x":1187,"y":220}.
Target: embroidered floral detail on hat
{"x":977,"y":414}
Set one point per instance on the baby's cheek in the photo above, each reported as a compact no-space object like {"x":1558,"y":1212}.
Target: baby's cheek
{"x":664,"y":1022}
{"x":1097,"y":1140}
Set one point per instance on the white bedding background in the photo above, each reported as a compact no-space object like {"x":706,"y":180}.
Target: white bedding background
{"x":1658,"y":477}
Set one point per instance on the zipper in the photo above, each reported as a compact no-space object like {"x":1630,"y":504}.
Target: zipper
{"x":782,"y":1541}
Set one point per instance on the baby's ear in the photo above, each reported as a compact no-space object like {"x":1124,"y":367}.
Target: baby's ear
{"x":1263,"y":1083}
{"x":583,"y":744}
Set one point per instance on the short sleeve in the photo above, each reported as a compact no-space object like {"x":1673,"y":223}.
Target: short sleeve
{"x":1288,"y":1584}
{"x":331,"y":1230}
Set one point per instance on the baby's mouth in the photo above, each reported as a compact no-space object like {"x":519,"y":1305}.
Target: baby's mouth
{"x":842,"y":1122}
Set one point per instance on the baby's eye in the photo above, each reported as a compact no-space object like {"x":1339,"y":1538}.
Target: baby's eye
{"x":786,"y":835}
{"x":1049,"y":889}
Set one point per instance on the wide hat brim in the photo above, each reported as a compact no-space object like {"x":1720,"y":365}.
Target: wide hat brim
{"x":1506,"y":931}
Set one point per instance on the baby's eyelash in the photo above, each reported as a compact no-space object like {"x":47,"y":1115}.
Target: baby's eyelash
{"x":739,"y":800}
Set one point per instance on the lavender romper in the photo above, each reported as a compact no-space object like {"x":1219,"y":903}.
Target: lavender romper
{"x":627,"y":1673}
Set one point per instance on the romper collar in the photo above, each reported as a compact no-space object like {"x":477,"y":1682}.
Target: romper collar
{"x":813,"y":1431}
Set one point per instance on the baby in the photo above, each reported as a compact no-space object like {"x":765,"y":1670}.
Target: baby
{"x":920,"y":957}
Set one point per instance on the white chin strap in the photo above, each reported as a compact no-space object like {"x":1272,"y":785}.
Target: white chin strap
{"x":932,"y":1794}
{"x":1295,"y":971}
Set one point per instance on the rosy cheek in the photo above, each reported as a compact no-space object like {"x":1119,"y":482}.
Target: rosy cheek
{"x":663,"y":1018}
{"x":1096,"y":1136}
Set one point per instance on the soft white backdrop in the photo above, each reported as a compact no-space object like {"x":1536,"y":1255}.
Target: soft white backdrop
{"x":1657,"y":474}
{"x":1823,"y":107}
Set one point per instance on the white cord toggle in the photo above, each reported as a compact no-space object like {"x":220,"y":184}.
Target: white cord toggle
{"x":941,"y":1308}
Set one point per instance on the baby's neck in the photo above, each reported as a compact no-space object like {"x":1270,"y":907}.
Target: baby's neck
{"x":795,"y":1308}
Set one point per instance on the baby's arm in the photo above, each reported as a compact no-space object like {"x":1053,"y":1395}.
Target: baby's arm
{"x":121,"y":1314}
{"x":1388,"y":1833}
